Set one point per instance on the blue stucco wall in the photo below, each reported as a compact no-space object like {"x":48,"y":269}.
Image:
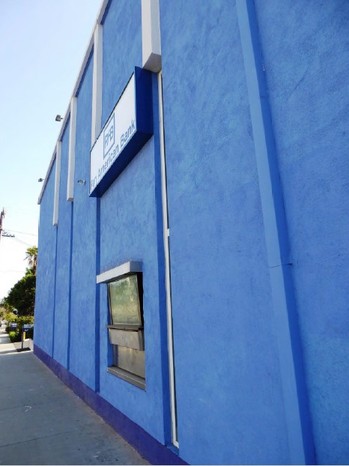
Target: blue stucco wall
{"x":129,"y":212}
{"x":121,"y":31}
{"x":128,"y":232}
{"x":46,"y":270}
{"x":228,"y":392}
{"x":308,"y":92}
{"x":83,"y":333}
{"x":62,"y":291}
{"x":230,"y":403}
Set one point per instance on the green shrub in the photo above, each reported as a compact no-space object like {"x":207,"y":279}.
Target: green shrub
{"x":10,"y":317}
{"x":24,"y":320}
{"x":14,"y":336}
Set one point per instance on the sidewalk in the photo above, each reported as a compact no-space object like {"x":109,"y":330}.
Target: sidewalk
{"x":44,"y":422}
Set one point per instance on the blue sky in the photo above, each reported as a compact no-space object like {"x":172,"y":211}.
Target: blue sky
{"x":42,"y":46}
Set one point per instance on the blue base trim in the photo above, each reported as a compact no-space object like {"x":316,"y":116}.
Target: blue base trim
{"x":147,"y":446}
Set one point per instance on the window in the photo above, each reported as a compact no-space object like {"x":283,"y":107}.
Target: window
{"x":125,"y":329}
{"x":125,"y":302}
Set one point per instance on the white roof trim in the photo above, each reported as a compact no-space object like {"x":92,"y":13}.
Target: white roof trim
{"x":78,"y":82}
{"x":57,"y":183}
{"x":151,"y":37}
{"x":71,"y":152}
{"x":97,"y":80}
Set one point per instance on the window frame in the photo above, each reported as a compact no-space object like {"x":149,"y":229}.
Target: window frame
{"x":131,"y":336}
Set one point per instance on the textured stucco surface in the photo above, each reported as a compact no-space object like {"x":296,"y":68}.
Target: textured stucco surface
{"x":46,"y":270}
{"x":61,"y":317}
{"x":128,"y":219}
{"x":306,"y":73}
{"x":83,"y":351}
{"x":128,"y":232}
{"x":230,"y":404}
{"x":221,"y":293}
{"x":120,"y":35}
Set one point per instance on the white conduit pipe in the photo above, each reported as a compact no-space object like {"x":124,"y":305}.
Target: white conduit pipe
{"x":166,"y":234}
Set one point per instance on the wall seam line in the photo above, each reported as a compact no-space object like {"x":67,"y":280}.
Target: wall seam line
{"x":298,"y":422}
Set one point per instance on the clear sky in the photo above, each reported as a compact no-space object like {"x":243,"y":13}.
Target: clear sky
{"x":42,"y":46}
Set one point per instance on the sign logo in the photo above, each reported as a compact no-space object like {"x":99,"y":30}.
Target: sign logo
{"x":128,"y":128}
{"x":109,"y":136}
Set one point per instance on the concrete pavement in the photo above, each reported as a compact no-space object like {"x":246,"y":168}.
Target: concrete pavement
{"x":43,"y":422}
{"x":5,"y":344}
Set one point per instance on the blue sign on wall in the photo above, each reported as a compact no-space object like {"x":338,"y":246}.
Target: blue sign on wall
{"x":128,"y":128}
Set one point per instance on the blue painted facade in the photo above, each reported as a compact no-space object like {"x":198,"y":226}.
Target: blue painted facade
{"x":45,"y":292}
{"x":256,"y":110}
{"x":62,"y":304}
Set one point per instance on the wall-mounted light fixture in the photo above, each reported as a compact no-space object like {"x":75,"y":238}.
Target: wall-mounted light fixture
{"x":83,"y":182}
{"x":58,"y":118}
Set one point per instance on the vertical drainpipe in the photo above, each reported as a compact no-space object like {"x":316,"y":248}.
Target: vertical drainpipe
{"x":96,"y":125}
{"x":298,"y":422}
{"x":166,"y":239}
{"x":151,"y":53}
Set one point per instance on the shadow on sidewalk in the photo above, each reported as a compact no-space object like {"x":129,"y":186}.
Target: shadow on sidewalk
{"x":43,"y":422}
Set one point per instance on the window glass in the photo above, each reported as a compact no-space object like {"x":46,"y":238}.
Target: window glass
{"x":126,"y":328}
{"x":130,"y":360}
{"x":125,"y":308}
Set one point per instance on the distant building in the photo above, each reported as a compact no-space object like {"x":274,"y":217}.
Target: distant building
{"x":192,"y":282}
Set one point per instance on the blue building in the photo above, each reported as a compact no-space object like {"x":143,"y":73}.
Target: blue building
{"x":192,"y":282}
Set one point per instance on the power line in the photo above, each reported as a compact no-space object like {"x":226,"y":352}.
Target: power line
{"x":11,"y":271}
{"x":22,"y":232}
{"x":20,"y":241}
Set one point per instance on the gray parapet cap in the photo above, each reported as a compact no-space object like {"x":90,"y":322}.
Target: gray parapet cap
{"x":119,"y":271}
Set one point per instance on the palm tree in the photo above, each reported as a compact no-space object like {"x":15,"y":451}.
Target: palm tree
{"x":32,"y":257}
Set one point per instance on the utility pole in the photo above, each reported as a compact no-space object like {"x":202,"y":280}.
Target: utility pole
{"x":2,"y":215}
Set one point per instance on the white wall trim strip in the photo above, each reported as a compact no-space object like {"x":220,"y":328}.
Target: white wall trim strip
{"x":97,"y":83}
{"x":75,"y":91}
{"x":57,"y":182}
{"x":151,"y":37}
{"x":71,"y":155}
